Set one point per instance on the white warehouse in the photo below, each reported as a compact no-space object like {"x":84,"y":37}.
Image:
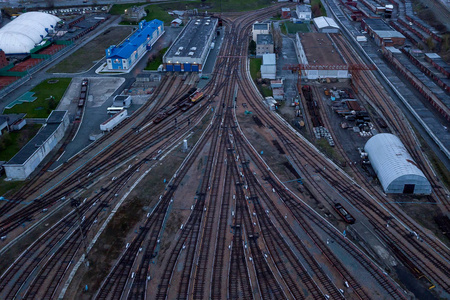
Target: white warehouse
{"x":395,"y":168}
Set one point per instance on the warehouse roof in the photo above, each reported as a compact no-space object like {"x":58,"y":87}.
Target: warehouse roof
{"x":324,"y":22}
{"x":261,"y":26}
{"x":269,"y":59}
{"x":264,"y":39}
{"x":34,"y":144}
{"x":21,"y":34}
{"x":143,"y":33}
{"x":319,"y":49}
{"x":193,"y":40}
{"x":303,"y":8}
{"x":391,"y":161}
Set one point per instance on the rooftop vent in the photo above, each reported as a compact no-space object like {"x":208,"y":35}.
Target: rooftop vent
{"x":191,"y":53}
{"x":177,"y":53}
{"x":180,"y":48}
{"x":193,"y":48}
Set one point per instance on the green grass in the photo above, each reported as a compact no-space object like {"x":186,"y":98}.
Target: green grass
{"x":41,"y":107}
{"x":294,"y":28}
{"x":208,"y":5}
{"x":84,"y":58}
{"x":255,"y":67}
{"x":265,"y":91}
{"x":153,"y":63}
{"x":7,"y":188}
{"x":283,"y":28}
{"x":323,"y":12}
{"x":12,"y":142}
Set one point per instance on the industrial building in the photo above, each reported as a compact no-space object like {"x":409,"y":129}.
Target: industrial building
{"x":26,"y":31}
{"x":134,"y":14}
{"x":304,"y":13}
{"x":382,"y":33}
{"x":285,"y":12}
{"x":395,"y":168}
{"x":269,"y":66}
{"x":125,"y":56}
{"x":264,"y":44}
{"x":191,"y":48}
{"x":326,"y":25}
{"x":113,"y":121}
{"x":317,"y":49}
{"x":260,"y":28}
{"x":34,"y":152}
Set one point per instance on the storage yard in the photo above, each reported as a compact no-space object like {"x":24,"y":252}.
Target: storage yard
{"x":185,"y":183}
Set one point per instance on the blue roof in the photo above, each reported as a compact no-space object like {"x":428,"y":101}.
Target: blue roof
{"x":125,"y":49}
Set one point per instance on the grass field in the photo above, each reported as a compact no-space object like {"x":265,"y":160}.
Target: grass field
{"x":42,"y":106}
{"x":85,"y":57}
{"x":323,"y":12}
{"x":294,"y":28}
{"x":208,"y":5}
{"x":153,"y":63}
{"x":255,"y":67}
{"x":12,"y":142}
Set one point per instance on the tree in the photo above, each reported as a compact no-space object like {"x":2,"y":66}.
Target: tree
{"x":252,"y":47}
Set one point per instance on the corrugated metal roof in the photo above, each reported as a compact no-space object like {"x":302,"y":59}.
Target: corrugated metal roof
{"x":322,"y":22}
{"x":269,"y":59}
{"x":391,"y":161}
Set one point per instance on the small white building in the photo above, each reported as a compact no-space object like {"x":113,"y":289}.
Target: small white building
{"x":122,"y":101}
{"x":326,"y":25}
{"x":260,"y":28}
{"x":114,"y":120}
{"x":176,"y":23}
{"x":269,"y":66}
{"x":304,"y":13}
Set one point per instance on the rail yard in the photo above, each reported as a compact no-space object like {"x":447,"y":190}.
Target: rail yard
{"x":206,"y":192}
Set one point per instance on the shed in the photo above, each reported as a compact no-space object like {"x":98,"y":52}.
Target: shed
{"x":395,"y":168}
{"x":326,"y":25}
{"x":176,"y":23}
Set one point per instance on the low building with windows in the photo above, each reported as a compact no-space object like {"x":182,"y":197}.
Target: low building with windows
{"x":264,"y":44}
{"x":134,"y":13}
{"x":127,"y":54}
{"x":260,"y":28}
{"x":191,"y":48}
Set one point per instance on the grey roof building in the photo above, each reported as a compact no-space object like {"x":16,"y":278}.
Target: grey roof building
{"x":189,"y":51}
{"x":31,"y":155}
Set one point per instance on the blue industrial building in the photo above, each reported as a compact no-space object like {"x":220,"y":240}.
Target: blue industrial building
{"x":124,"y":56}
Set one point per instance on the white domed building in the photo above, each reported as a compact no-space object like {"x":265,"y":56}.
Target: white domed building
{"x":395,"y":168}
{"x":23,"y":33}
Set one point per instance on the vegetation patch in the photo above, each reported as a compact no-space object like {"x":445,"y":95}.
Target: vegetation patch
{"x":155,"y":60}
{"x":48,"y":97}
{"x":12,"y":142}
{"x":294,"y":28}
{"x":255,"y":68}
{"x":318,"y":9}
{"x":85,"y":57}
{"x":208,"y":5}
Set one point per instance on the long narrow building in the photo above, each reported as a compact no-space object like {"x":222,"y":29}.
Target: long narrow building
{"x":191,"y":48}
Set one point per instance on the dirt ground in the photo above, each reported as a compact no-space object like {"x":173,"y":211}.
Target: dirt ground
{"x":85,"y":57}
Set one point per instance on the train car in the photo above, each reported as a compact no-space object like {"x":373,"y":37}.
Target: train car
{"x":80,"y":102}
{"x":348,"y":218}
{"x":172,"y":110}
{"x":161,"y":116}
{"x":196,"y":97}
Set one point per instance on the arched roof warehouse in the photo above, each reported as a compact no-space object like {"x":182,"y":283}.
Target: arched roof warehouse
{"x":396,"y":170}
{"x":23,"y":33}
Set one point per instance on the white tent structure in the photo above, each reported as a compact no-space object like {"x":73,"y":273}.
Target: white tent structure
{"x":395,"y":168}
{"x":23,"y":33}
